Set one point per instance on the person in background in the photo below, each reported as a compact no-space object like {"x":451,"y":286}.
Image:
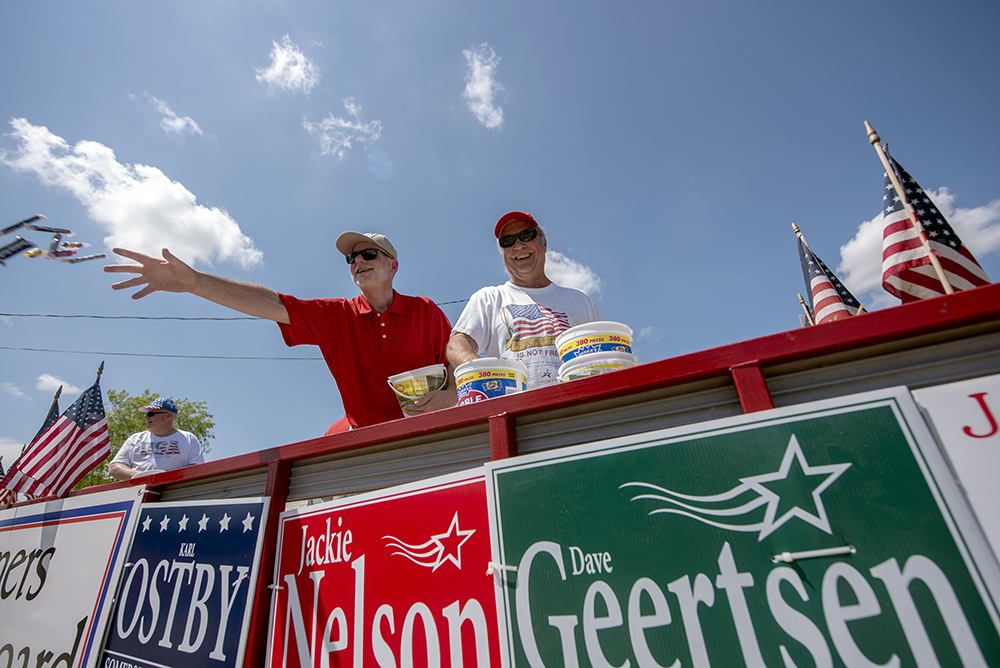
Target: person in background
{"x":364,"y":340}
{"x":521,"y":319}
{"x":161,"y":447}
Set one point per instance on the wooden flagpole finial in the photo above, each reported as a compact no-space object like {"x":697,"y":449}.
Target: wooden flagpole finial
{"x":100,"y":370}
{"x":873,"y":137}
{"x":58,"y":393}
{"x":805,"y":308}
{"x":901,"y":193}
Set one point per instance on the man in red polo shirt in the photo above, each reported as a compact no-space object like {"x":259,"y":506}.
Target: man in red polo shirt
{"x":363,"y":340}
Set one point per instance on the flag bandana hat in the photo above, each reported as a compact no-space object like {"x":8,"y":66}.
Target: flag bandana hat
{"x":66,"y":451}
{"x":907,"y":272}
{"x":827,"y":295}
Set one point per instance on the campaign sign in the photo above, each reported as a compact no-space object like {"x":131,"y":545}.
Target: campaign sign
{"x":965,"y":418}
{"x":393,"y":578}
{"x":827,"y":534}
{"x":59,"y":563}
{"x":186,"y":597}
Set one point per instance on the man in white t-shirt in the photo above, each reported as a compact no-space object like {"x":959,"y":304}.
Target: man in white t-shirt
{"x":160,"y":448}
{"x":521,"y":319}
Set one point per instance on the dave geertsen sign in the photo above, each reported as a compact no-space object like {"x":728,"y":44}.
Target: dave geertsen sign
{"x":393,"y":578}
{"x":185,"y":597}
{"x":59,"y":563}
{"x":828,"y":534}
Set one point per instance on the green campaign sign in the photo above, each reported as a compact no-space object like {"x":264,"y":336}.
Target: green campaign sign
{"x":828,"y":534}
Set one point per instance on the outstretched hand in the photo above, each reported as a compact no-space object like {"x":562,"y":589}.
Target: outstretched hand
{"x":169,"y":274}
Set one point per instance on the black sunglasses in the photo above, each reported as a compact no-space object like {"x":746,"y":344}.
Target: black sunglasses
{"x":367,"y":253}
{"x":153,"y":413}
{"x":526,"y":235}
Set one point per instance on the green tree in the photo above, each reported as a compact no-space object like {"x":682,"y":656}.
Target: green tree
{"x":124,"y":419}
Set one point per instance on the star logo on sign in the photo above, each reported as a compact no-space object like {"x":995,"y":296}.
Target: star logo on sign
{"x":182,"y":524}
{"x":795,"y":478}
{"x":450,"y":543}
{"x":248,"y":523}
{"x":164,"y":522}
{"x":146,"y":522}
{"x":203,"y":523}
{"x":224,"y":522}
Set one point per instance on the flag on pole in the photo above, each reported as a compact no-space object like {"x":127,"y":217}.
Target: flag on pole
{"x":906,"y":266}
{"x":829,"y":299}
{"x":7,"y":496}
{"x":65,"y":452}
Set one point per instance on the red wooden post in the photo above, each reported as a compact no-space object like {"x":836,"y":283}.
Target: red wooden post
{"x":751,"y":387}
{"x":503,"y":436}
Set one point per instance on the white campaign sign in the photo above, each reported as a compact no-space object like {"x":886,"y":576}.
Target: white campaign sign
{"x":59,"y":564}
{"x":965,"y":417}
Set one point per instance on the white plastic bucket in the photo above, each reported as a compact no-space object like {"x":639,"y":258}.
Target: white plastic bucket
{"x":594,"y":364}
{"x":488,"y":377}
{"x":594,"y":337}
{"x":411,"y":385}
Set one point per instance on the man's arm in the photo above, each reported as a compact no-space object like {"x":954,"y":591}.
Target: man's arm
{"x":119,"y":471}
{"x":446,"y":397}
{"x":172,"y":275}
{"x":461,"y":348}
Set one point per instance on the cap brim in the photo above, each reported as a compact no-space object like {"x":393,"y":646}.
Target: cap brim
{"x":348,"y":240}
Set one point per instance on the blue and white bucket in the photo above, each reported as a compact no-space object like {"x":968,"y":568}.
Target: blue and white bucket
{"x":489,"y":377}
{"x":594,"y":337}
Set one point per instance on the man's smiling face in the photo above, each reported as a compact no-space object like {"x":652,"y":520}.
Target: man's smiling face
{"x":525,"y":260}
{"x":371,"y":273}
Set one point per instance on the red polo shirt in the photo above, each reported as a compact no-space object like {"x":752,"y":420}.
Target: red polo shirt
{"x":363,"y":347}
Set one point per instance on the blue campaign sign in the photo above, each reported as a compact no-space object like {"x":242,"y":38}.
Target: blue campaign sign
{"x":186,"y":595}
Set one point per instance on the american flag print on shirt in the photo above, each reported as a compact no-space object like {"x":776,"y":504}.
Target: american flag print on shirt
{"x":827,"y":295}
{"x":532,"y":326}
{"x":907,"y":272}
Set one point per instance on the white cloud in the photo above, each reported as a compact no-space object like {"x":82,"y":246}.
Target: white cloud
{"x":481,"y":87}
{"x":138,"y":206}
{"x":10,"y":450}
{"x":11,"y":388}
{"x":647,"y":333}
{"x":50,"y":383}
{"x":171,"y":122}
{"x":289,"y":69}
{"x":571,"y":274}
{"x":335,"y":135}
{"x":860,"y":265}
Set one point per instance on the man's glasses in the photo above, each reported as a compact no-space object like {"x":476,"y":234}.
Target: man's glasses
{"x":367,"y":253}
{"x":152,"y":413}
{"x":526,"y":235}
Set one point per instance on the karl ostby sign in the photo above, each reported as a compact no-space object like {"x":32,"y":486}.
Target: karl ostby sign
{"x":828,"y":534}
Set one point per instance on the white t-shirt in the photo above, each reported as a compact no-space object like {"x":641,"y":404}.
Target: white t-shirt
{"x":144,"y":452}
{"x":522,"y":323}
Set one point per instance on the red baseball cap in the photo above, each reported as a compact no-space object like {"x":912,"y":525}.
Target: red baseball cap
{"x":514,"y":215}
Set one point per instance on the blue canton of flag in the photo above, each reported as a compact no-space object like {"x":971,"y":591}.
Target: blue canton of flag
{"x":532,"y":320}
{"x":829,"y":299}
{"x":907,"y":272}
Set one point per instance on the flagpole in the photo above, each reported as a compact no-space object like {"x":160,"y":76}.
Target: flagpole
{"x":875,"y":141}
{"x":805,"y":308}
{"x":100,"y":370}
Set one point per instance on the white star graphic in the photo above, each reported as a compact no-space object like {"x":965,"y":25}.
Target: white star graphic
{"x":248,"y":523}
{"x":164,"y":523}
{"x":146,"y":522}
{"x":224,"y":522}
{"x":203,"y":523}
{"x":182,"y":524}
{"x":794,"y":453}
{"x":452,"y":535}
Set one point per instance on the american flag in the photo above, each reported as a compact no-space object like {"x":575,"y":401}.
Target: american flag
{"x":906,"y":266}
{"x":7,"y":496}
{"x":532,"y":320}
{"x":62,"y":454}
{"x":828,"y":297}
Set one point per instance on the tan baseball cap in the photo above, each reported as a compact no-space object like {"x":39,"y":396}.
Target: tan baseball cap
{"x":348,"y":240}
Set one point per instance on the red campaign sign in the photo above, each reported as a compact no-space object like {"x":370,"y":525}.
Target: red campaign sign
{"x":393,"y":578}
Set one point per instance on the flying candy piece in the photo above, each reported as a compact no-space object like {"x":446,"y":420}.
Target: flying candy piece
{"x":73,"y":244}
{"x":74,"y":260}
{"x":16,"y":247}
{"x":61,"y":253}
{"x":27,"y":221}
{"x":34,"y":252}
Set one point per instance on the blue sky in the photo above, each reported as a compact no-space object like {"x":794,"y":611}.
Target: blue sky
{"x":666,"y":147}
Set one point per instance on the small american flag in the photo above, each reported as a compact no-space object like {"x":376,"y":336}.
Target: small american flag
{"x":531,"y":321}
{"x":906,"y":266}
{"x":828,"y":297}
{"x":61,"y":455}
